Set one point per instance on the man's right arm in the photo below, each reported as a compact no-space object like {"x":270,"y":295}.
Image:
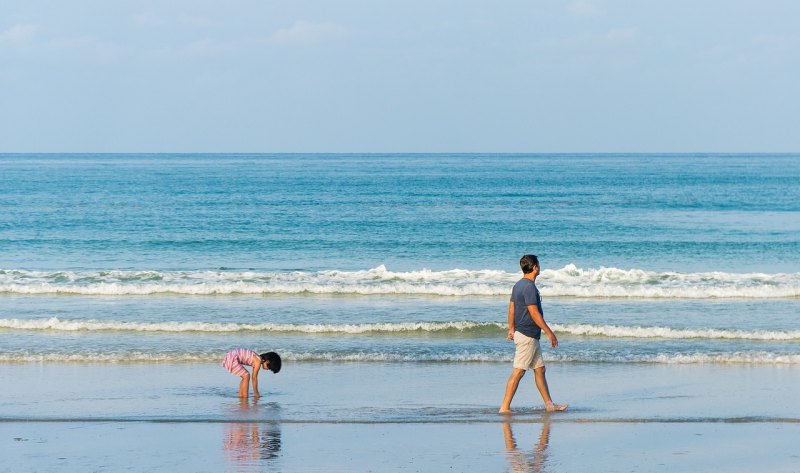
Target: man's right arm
{"x":510,"y":320}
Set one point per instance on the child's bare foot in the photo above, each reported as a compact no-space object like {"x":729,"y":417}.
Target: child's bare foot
{"x":550,"y":407}
{"x":504,"y":411}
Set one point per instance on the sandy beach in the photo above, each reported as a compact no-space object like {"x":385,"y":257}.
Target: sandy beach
{"x":436,"y":417}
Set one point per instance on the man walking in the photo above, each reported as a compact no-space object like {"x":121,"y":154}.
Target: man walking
{"x":525,"y":325}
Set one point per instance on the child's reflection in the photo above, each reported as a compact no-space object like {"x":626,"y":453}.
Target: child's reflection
{"x":535,"y":461}
{"x":249,"y":443}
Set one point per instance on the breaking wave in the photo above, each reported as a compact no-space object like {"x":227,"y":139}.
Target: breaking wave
{"x":57,"y":324}
{"x":456,"y":328}
{"x":568,"y":281}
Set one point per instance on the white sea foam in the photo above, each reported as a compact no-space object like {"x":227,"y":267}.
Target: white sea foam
{"x":748,"y":358}
{"x":455,"y":328}
{"x":617,"y":331}
{"x":57,"y":324}
{"x":753,"y":358}
{"x":568,"y":281}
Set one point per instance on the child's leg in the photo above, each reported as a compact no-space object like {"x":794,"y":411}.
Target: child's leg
{"x":231,"y":364}
{"x":244,"y":386}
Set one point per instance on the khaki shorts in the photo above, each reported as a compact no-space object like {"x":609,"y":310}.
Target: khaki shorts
{"x":528,"y":354}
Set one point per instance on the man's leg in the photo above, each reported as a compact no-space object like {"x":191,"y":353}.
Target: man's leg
{"x":541,"y":384}
{"x":511,"y":389}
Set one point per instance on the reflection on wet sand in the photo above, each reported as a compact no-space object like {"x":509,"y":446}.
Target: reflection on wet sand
{"x":524,"y":461}
{"x":251,"y":443}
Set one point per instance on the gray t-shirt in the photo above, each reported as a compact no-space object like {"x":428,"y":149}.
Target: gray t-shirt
{"x":524,"y":294}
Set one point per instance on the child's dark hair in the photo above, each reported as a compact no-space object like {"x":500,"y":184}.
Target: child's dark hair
{"x":527,"y":262}
{"x":274,"y":361}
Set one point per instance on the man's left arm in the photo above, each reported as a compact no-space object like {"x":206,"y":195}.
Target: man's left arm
{"x":538,"y":319}
{"x":511,"y":320}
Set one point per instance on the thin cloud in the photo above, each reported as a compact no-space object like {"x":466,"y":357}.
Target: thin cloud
{"x":26,"y":34}
{"x":612,"y":38}
{"x":776,"y":40}
{"x":147,"y":19}
{"x":94,"y":47}
{"x":196,"y":21}
{"x":305,"y":32}
{"x":621,"y":34}
{"x":582,"y":8}
{"x":208,"y":47}
{"x":20,"y":33}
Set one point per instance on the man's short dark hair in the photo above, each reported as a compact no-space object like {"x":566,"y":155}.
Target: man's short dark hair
{"x":527,"y":262}
{"x":274,"y":361}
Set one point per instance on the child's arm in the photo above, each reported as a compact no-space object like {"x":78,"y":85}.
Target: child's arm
{"x":256,"y":369}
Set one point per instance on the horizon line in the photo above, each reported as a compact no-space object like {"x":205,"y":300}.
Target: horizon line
{"x":571,"y":153}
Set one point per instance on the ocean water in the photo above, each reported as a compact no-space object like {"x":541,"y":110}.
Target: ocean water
{"x":398,"y":259}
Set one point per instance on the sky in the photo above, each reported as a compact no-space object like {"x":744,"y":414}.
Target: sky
{"x":399,"y":76}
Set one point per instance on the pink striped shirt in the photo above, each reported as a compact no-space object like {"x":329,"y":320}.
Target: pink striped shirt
{"x":235,"y":360}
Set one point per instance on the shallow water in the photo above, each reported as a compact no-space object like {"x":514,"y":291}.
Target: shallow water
{"x":403,"y":329}
{"x":389,"y":416}
{"x":396,"y":392}
{"x":535,"y":447}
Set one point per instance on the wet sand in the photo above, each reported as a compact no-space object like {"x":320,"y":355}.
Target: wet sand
{"x":382,"y":417}
{"x":494,"y":446}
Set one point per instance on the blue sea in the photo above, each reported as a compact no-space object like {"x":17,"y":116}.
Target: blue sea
{"x":398,"y":258}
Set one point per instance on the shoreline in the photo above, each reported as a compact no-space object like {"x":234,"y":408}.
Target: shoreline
{"x":500,"y":420}
{"x":392,"y":417}
{"x":396,"y":392}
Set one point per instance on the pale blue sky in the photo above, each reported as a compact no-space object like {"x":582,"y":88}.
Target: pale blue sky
{"x":399,"y":76}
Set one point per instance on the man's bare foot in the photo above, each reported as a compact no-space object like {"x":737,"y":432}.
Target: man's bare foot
{"x":550,"y":407}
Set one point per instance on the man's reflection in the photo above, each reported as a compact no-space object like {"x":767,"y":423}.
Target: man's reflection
{"x":521,"y":461}
{"x":252,"y":443}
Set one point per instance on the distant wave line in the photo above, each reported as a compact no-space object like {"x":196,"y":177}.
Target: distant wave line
{"x":465,"y":327}
{"x":568,"y":281}
{"x":616,"y":331}
{"x":55,"y":323}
